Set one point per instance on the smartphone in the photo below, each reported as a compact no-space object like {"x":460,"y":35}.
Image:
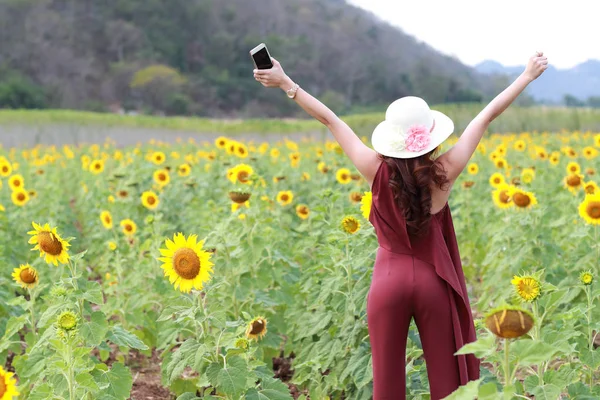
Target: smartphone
{"x":261,"y":57}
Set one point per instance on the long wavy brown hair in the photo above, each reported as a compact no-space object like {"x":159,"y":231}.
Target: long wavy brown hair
{"x":411,"y":180}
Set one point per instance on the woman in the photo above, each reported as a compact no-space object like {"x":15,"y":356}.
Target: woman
{"x":417,"y":271}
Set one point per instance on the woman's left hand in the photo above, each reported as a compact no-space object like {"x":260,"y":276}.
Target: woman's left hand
{"x":273,"y":77}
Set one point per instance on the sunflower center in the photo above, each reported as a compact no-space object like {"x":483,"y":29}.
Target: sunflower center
{"x":21,"y":196}
{"x":97,"y":166}
{"x":186,"y":263}
{"x":573,"y":168}
{"x":257,"y":327}
{"x":284,"y":197}
{"x":589,"y":189}
{"x":16,"y":183}
{"x":496,"y":180}
{"x":303,"y":210}
{"x":49,"y":243}
{"x":573,"y":180}
{"x":593,"y":209}
{"x":107,"y":219}
{"x":521,"y":200}
{"x":162,"y":177}
{"x":27,"y":275}
{"x":504,"y":197}
{"x":128,"y":227}
{"x":123,"y":193}
{"x":2,"y":386}
{"x":243,"y":176}
{"x":151,"y":200}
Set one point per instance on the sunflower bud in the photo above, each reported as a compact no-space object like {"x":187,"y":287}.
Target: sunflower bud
{"x":586,"y":278}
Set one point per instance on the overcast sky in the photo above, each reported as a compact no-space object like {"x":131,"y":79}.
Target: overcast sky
{"x":507,"y":31}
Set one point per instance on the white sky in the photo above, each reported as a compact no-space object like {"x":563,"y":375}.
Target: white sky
{"x":507,"y":31}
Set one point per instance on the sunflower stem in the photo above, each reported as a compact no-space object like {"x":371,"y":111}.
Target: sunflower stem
{"x":32,"y":292}
{"x":506,"y":364}
{"x":70,"y":372}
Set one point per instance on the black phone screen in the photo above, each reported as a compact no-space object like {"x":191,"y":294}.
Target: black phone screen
{"x":262,"y":59}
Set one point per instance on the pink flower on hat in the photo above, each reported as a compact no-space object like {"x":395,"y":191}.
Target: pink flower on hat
{"x":418,"y":138}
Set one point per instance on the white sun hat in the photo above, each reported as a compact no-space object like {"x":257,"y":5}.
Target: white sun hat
{"x":410,"y":129}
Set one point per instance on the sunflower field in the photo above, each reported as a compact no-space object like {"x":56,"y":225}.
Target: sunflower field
{"x":240,"y":270}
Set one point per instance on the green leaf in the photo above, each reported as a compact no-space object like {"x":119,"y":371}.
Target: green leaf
{"x":42,"y":392}
{"x":87,"y":381}
{"x":116,"y":382}
{"x":272,"y":389}
{"x":591,"y":358}
{"x":189,"y":396}
{"x":121,"y":337}
{"x":94,"y":330}
{"x":185,"y":355}
{"x":14,"y":325}
{"x":230,"y":379}
{"x":92,"y":293}
{"x":482,"y":347}
{"x":489,"y":391}
{"x":530,"y":352}
{"x":78,"y":256}
{"x":466,"y":392}
{"x":546,"y":392}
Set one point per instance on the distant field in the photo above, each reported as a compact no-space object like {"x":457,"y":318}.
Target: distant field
{"x":20,"y":127}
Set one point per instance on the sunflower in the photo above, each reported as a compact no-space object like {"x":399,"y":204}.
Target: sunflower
{"x":122,"y":194}
{"x":591,"y":187}
{"x":541,"y":153}
{"x":502,"y":196}
{"x":158,"y":157}
{"x":365,"y":204}
{"x":67,"y":321}
{"x":185,"y":263}
{"x":20,"y":197}
{"x":589,"y":209}
{"x":8,"y":385}
{"x":236,"y":206}
{"x":150,"y":200}
{"x":257,"y":328}
{"x":106,"y":219}
{"x":221,"y":142}
{"x":554,"y":158}
{"x":586,"y":277}
{"x":49,"y":243}
{"x":321,"y":166}
{"x":305,"y":177}
{"x":161,"y":176}
{"x":129,"y":227}
{"x":184,"y":170}
{"x":5,"y":170}
{"x":240,"y":173}
{"x":26,"y":276}
{"x":112,"y":246}
{"x":573,"y":168}
{"x":573,"y":182}
{"x":497,"y":179}
{"x":597,"y":140}
{"x":96,"y":167}
{"x":527,"y":287}
{"x":590,"y":171}
{"x":350,"y":225}
{"x":16,"y":182}
{"x":520,"y":145}
{"x":473,"y":169}
{"x":302,"y":211}
{"x":589,"y":152}
{"x":509,"y":321}
{"x":355,"y":197}
{"x":343,"y":176}
{"x":241,"y":150}
{"x":274,"y":153}
{"x":527,"y":175}
{"x":501,"y":163}
{"x":523,"y":199}
{"x":468,"y":184}
{"x":285,"y":197}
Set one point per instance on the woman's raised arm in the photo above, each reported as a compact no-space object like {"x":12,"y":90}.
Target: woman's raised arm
{"x":363,"y":157}
{"x":455,"y":159}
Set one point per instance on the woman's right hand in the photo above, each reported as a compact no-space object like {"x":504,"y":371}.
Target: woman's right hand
{"x":536,"y":66}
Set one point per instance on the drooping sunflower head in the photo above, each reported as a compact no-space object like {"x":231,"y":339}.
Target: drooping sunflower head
{"x":302,"y":211}
{"x":186,"y":263}
{"x":67,"y":321}
{"x":26,"y":276}
{"x":496,"y":179}
{"x":106,"y":219}
{"x":350,"y":225}
{"x":8,"y":385}
{"x":473,"y":169}
{"x":502,"y":196}
{"x":239,"y":196}
{"x":150,"y":200}
{"x":509,"y":321}
{"x":257,"y":328}
{"x":49,"y":243}
{"x":365,"y":204}
{"x":527,"y":287}
{"x":589,"y":209}
{"x":586,"y":277}
{"x":285,"y":197}
{"x":129,"y":227}
{"x":468,"y":184}
{"x":523,"y":199}
{"x":343,"y":176}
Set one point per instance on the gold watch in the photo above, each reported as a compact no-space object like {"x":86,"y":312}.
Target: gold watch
{"x":291,"y":93}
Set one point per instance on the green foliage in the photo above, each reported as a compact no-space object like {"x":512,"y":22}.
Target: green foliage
{"x":19,"y":92}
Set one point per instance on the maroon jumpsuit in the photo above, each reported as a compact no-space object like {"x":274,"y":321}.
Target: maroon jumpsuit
{"x":420,"y":278}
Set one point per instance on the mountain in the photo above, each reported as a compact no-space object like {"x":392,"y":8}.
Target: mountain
{"x":192,"y":57}
{"x":581,"y":81}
